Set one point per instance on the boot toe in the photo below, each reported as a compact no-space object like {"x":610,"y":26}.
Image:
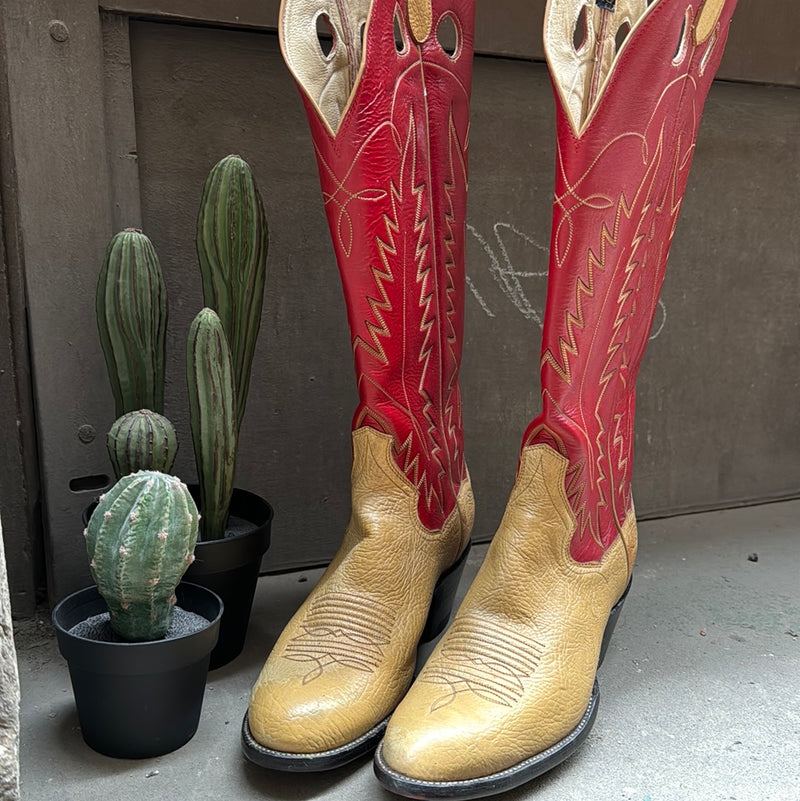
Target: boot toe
{"x":431,"y":754}
{"x":295,"y":718}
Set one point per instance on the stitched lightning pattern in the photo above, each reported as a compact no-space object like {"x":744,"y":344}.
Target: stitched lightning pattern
{"x":486,"y":659}
{"x":345,"y":630}
{"x":616,"y":206}
{"x":395,"y":197}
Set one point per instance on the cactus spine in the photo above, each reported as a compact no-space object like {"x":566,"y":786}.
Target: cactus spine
{"x":140,"y":540}
{"x":212,"y":414}
{"x":132,"y":319}
{"x":232,"y":242}
{"x":142,"y":440}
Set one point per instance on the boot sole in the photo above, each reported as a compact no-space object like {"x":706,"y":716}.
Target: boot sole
{"x":439,"y":614}
{"x":511,"y":777}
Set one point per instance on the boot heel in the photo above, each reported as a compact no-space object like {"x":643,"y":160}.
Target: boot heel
{"x":443,"y":596}
{"x":612,"y":622}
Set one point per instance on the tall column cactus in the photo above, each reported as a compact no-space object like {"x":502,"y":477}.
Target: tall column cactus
{"x":131,"y":308}
{"x":142,"y":440}
{"x":232,"y":242}
{"x":140,"y":540}
{"x":212,"y":414}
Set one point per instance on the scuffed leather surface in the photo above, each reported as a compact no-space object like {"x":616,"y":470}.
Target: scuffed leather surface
{"x":391,"y":147}
{"x":621,"y":175}
{"x":347,"y":656}
{"x":514,"y":672}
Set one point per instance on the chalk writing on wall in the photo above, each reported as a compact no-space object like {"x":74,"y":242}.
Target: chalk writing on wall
{"x":518,"y":285}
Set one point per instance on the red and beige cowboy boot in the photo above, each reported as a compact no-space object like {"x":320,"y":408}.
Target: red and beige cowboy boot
{"x":510,"y":690}
{"x":388,"y":108}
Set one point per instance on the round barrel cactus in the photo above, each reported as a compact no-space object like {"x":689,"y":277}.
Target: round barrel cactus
{"x":142,"y":440}
{"x":140,"y":540}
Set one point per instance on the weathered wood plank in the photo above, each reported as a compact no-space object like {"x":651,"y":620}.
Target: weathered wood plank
{"x":19,"y":473}
{"x":56,"y":117}
{"x":13,"y":490}
{"x":762,"y":46}
{"x":120,"y":120}
{"x":236,"y":13}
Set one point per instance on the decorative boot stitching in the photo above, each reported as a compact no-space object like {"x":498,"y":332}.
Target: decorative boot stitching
{"x":410,"y":272}
{"x":616,"y":278}
{"x":342,"y":629}
{"x":486,"y":659}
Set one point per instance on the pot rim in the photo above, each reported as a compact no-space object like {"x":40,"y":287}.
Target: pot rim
{"x":62,"y":630}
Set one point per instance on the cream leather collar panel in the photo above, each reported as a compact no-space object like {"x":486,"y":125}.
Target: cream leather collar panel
{"x":579,"y":74}
{"x":328,"y":81}
{"x":514,"y":672}
{"x":347,"y":656}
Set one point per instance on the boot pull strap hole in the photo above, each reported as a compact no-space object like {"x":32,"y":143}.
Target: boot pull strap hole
{"x":449,"y":36}
{"x":709,"y":50}
{"x":622,"y":35}
{"x":400,"y":41}
{"x":683,"y":40}
{"x":326,"y":35}
{"x":580,"y":32}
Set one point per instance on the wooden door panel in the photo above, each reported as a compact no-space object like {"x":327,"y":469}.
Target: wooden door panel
{"x":762,"y":46}
{"x":202,"y":92}
{"x":234,"y":13}
{"x":118,"y":122}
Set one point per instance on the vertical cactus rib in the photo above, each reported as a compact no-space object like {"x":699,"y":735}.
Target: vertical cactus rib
{"x":212,"y":415}
{"x":131,"y":306}
{"x":142,"y":440}
{"x":232,"y":242}
{"x":140,"y":540}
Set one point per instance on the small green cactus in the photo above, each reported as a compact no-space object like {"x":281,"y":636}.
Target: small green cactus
{"x":232,"y":242}
{"x":132,"y":321}
{"x":142,"y":440}
{"x":140,"y":540}
{"x":212,"y":415}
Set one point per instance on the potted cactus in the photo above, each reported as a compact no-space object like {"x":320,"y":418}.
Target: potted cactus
{"x":235,"y":526}
{"x":231,"y":242}
{"x":138,"y":643}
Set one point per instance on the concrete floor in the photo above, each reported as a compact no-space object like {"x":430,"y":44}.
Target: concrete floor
{"x":700,"y":690}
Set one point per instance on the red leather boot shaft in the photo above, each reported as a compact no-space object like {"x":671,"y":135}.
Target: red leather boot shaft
{"x":620,"y":181}
{"x":394,"y":182}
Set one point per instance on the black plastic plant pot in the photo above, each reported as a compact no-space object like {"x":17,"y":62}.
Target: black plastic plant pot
{"x":138,"y":700}
{"x":230,"y":568}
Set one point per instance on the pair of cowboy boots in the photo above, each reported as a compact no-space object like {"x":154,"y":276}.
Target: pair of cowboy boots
{"x":510,"y":690}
